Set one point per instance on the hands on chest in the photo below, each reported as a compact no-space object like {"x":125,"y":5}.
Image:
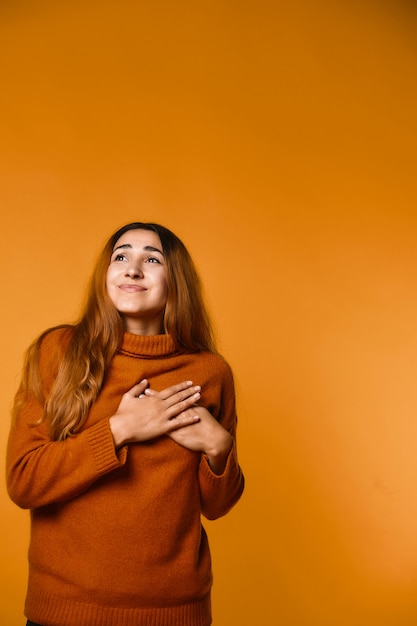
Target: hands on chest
{"x":144,"y":414}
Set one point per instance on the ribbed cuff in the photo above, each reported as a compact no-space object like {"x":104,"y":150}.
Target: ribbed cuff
{"x":101,"y":441}
{"x":231,"y":458}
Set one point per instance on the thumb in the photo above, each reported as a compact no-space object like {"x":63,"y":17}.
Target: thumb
{"x":139,"y":388}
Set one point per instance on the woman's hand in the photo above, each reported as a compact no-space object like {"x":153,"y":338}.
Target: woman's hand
{"x":205,"y":435}
{"x":144,"y":414}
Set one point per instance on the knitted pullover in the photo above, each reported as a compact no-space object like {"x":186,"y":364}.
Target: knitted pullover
{"x":116,"y":536}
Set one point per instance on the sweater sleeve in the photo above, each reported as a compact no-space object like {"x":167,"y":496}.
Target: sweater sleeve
{"x":41,"y":471}
{"x":220,"y":492}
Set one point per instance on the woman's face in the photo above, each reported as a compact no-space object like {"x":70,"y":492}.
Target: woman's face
{"x":136,"y":281}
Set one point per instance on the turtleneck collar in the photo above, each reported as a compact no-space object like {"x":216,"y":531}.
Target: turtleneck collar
{"x":147,"y":346}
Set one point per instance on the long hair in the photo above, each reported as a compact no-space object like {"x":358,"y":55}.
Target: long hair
{"x":96,"y":337}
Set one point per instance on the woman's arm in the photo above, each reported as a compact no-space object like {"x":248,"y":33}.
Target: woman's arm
{"x":41,"y":471}
{"x":220,"y":476}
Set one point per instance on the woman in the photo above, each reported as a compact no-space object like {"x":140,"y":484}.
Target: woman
{"x":123,"y":435}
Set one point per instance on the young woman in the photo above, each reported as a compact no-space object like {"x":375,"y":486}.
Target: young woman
{"x":123,"y":435}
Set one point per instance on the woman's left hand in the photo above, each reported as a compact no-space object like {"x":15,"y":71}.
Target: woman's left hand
{"x":207,"y":436}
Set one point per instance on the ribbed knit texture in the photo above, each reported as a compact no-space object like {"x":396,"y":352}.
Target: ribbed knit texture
{"x":116,"y":539}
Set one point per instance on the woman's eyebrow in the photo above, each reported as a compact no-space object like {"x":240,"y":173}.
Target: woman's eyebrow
{"x":152,"y":249}
{"x":146,"y":248}
{"x":122,"y":246}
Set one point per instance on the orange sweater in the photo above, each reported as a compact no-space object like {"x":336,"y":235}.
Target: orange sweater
{"x":116,"y":538}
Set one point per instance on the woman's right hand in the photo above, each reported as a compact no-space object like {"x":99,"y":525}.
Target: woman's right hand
{"x":144,"y":414}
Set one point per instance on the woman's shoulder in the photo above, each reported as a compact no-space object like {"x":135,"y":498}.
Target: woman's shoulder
{"x":47,"y":350}
{"x":216,"y":362}
{"x":55,"y":338}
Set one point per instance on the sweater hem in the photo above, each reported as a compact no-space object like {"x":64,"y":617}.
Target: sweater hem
{"x":42,"y":608}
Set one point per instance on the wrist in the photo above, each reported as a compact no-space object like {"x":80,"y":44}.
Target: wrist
{"x":218,"y":454}
{"x":118,"y":431}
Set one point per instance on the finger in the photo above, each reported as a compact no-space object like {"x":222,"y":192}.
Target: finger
{"x":179,"y":406}
{"x":170,"y":391}
{"x":183,"y":399}
{"x":183,"y":420}
{"x":139,"y":388}
{"x":192,"y":393}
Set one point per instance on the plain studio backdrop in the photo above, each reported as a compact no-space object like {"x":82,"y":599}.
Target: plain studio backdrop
{"x":278,"y":140}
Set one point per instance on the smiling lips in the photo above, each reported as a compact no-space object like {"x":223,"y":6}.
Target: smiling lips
{"x":132,"y":288}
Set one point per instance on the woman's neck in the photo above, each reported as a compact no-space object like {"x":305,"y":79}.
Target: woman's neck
{"x":145,"y":327}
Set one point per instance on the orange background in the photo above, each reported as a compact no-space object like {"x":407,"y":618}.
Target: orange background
{"x":278,"y":140}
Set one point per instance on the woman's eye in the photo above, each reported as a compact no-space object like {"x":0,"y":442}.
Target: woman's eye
{"x":153,"y":259}
{"x":119,"y":257}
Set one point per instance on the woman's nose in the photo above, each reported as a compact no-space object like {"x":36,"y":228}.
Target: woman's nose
{"x":134,"y":271}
